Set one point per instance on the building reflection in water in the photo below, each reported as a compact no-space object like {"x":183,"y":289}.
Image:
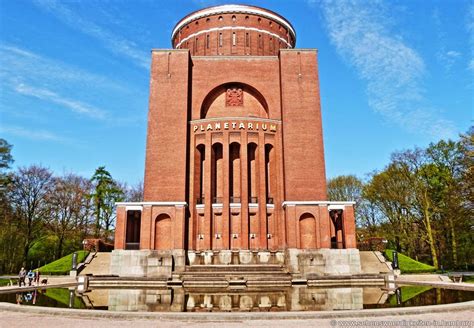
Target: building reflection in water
{"x":217,"y":300}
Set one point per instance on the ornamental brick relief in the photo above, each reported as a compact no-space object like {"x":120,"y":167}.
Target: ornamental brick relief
{"x":234,"y":97}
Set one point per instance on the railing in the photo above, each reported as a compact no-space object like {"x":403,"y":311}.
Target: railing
{"x":234,"y":199}
{"x":132,"y":246}
{"x":253,"y":200}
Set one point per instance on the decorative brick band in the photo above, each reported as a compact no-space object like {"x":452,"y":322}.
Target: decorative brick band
{"x":229,"y":9}
{"x":224,"y":28}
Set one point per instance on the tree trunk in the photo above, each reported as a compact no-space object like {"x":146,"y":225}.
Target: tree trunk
{"x":429,"y":231}
{"x":453,"y":242}
{"x":59,"y":251}
{"x":97,"y":222}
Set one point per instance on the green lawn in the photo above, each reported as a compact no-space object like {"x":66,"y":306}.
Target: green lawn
{"x":62,"y":295}
{"x":468,"y":279}
{"x":409,"y":265}
{"x":62,"y":265}
{"x":5,"y":282}
{"x":408,"y":292}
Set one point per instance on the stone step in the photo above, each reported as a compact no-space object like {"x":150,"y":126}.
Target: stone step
{"x":234,"y":273}
{"x":236,"y":268}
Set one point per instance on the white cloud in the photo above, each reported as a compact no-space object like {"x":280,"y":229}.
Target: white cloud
{"x":112,"y":42}
{"x":453,"y":54}
{"x":21,"y":64}
{"x":48,"y":95}
{"x":31,"y":134}
{"x":392,"y":70}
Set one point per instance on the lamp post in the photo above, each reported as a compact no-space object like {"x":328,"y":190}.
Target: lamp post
{"x":74,"y":261}
{"x":395,"y":260}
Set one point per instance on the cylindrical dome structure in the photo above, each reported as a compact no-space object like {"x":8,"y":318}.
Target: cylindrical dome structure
{"x":233,"y":30}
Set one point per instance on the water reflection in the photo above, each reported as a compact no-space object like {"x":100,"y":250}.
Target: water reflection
{"x":53,"y":297}
{"x":297,"y":298}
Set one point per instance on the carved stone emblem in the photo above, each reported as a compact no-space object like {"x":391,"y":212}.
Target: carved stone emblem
{"x":234,"y":97}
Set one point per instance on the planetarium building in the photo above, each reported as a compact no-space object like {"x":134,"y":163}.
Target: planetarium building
{"x":235,"y":171}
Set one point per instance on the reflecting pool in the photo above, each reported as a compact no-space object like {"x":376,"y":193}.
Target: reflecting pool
{"x":296,"y":298}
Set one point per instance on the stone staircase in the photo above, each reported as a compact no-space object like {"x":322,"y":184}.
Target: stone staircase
{"x":271,"y":275}
{"x":373,"y":262}
{"x":99,"y":265}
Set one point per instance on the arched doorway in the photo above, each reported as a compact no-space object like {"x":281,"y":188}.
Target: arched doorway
{"x":163,"y":233}
{"x":307,"y":231}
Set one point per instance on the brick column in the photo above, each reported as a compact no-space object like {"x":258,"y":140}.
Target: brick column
{"x":244,"y":238}
{"x":146,"y":228}
{"x":225,"y":210}
{"x":207,"y":229}
{"x":291,"y":221}
{"x":179,"y":222}
{"x":324,"y":227}
{"x":120,"y":228}
{"x":262,"y":193}
{"x":348,"y":224}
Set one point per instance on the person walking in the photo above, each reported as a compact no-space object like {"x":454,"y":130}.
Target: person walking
{"x":37,"y":277}
{"x":30,"y":276}
{"x":21,"y":277}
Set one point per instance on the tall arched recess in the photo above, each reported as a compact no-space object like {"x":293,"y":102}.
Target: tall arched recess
{"x":234,"y":99}
{"x":307,"y":229}
{"x":163,"y":233}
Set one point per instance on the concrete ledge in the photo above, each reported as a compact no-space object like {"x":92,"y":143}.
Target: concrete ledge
{"x":446,"y":285}
{"x":210,"y":316}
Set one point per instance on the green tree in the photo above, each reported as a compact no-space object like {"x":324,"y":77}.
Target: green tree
{"x":68,"y":203}
{"x":28,"y":193}
{"x":390,"y":192}
{"x":106,"y":193}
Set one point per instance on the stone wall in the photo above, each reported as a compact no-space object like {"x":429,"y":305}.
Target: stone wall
{"x":146,"y":263}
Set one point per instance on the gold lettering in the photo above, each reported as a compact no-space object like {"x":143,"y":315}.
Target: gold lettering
{"x":273,"y":128}
{"x":195,"y":128}
{"x":202,"y":128}
{"x":209,"y":127}
{"x":226,"y":125}
{"x":264,"y":127}
{"x":233,"y":125}
{"x":217,"y":126}
{"x":241,"y":126}
{"x":256,"y":126}
{"x":250,"y":126}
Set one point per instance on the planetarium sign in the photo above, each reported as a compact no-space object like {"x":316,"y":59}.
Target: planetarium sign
{"x":234,"y":125}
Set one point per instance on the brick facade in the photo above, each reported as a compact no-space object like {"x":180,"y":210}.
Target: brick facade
{"x":234,"y":156}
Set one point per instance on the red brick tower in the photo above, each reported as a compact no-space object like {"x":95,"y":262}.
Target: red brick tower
{"x":235,"y":169}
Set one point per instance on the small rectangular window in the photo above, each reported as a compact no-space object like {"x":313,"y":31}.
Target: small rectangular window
{"x":234,"y":39}
{"x":207,"y":41}
{"x":260,"y":41}
{"x":220,"y":39}
{"x":247,"y":40}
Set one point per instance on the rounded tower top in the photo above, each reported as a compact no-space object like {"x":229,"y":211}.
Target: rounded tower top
{"x":233,"y":30}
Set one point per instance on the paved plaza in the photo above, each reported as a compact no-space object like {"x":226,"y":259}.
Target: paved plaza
{"x":455,"y":319}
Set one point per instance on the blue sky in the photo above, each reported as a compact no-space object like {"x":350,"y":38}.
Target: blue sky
{"x":74,"y":77}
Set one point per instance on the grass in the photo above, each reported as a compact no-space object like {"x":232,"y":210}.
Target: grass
{"x":468,"y":279}
{"x":5,"y":282}
{"x":408,"y":292}
{"x":409,"y":265}
{"x":62,"y":296}
{"x":62,"y":265}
